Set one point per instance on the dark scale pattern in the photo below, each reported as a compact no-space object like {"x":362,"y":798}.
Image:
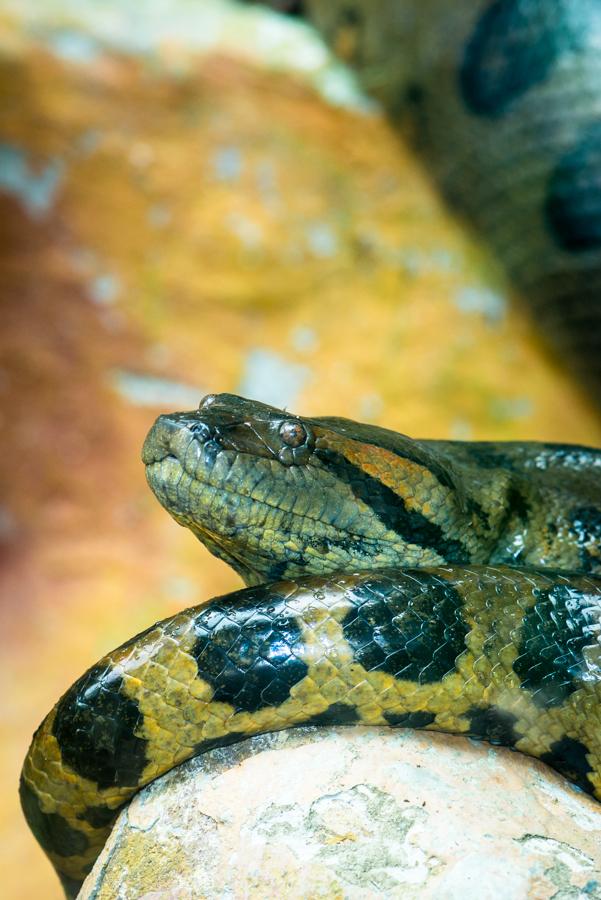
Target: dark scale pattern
{"x":389,"y":508}
{"x":570,"y":758}
{"x":71,"y":886}
{"x":247,"y":655}
{"x":409,"y":719}
{"x":493,"y":725}
{"x":226,"y":740}
{"x":336,"y":714}
{"x":404,"y":448}
{"x":288,"y":7}
{"x":414,"y":632}
{"x":100,"y":816}
{"x":553,"y":634}
{"x":277,"y":570}
{"x":95,"y":727}
{"x":586,"y":526}
{"x":573,"y":202}
{"x":514,"y":46}
{"x":51,"y":831}
{"x":517,"y":504}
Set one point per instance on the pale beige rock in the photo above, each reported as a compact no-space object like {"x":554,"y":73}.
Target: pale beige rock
{"x":354,"y":813}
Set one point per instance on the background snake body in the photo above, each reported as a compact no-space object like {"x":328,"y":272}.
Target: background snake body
{"x":501,"y":99}
{"x":441,"y":585}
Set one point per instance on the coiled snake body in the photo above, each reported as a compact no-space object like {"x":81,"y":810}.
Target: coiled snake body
{"x":440,"y":585}
{"x":471,"y":605}
{"x":502,"y":99}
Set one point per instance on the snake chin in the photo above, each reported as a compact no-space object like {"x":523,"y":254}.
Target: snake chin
{"x":197,"y":498}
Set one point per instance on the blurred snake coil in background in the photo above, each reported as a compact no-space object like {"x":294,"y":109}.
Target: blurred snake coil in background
{"x":196,"y":197}
{"x":502,"y":101}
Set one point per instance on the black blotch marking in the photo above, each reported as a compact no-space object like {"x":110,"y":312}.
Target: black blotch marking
{"x":413,"y":632}
{"x":52,"y":832}
{"x":100,"y":816}
{"x":415,"y":94}
{"x":287,"y":7}
{"x":349,"y":15}
{"x":234,"y":737}
{"x":517,"y":504}
{"x":95,"y":727}
{"x":390,"y":509}
{"x":476,"y":509}
{"x":71,"y":886}
{"x":553,"y":634}
{"x":412,"y":451}
{"x":290,"y":7}
{"x":246,"y":652}
{"x":409,"y":719}
{"x":568,"y":757}
{"x":336,"y":714}
{"x":277,"y":570}
{"x":320,"y":545}
{"x":352,"y":544}
{"x":514,"y":46}
{"x":586,"y":527}
{"x":489,"y":456}
{"x":573,"y":201}
{"x":493,"y":725}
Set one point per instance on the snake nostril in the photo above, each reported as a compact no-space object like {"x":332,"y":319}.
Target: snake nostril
{"x":200,"y":430}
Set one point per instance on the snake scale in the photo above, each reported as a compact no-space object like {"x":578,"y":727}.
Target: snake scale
{"x":428,"y":584}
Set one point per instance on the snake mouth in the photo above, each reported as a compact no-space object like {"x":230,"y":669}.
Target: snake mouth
{"x":193,"y":465}
{"x":210,"y":511}
{"x":215,"y":493}
{"x":224,"y":495}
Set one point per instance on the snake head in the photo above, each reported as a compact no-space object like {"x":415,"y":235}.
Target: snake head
{"x":278,"y":495}
{"x":220,"y":471}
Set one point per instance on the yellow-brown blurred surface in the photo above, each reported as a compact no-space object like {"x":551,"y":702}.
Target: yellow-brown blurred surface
{"x":167,"y":233}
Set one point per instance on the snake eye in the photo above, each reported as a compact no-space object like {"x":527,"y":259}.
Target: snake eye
{"x":293,"y":434}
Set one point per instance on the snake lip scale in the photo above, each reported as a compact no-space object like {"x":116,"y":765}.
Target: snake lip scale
{"x":427,"y":584}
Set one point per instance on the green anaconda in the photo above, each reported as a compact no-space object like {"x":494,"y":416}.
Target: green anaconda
{"x":428,"y":584}
{"x":448,"y":586}
{"x":502,"y":101}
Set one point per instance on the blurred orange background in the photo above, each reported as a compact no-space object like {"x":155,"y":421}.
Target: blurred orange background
{"x":195,"y":198}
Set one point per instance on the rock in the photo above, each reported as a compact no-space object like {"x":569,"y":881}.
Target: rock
{"x":354,"y":813}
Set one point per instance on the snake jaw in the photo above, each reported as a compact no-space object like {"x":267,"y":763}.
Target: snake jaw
{"x":189,"y":470}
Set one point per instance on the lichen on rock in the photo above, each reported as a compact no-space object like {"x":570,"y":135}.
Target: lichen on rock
{"x":354,"y":813}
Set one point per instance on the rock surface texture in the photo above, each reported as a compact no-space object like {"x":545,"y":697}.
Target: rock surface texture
{"x":354,"y":813}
